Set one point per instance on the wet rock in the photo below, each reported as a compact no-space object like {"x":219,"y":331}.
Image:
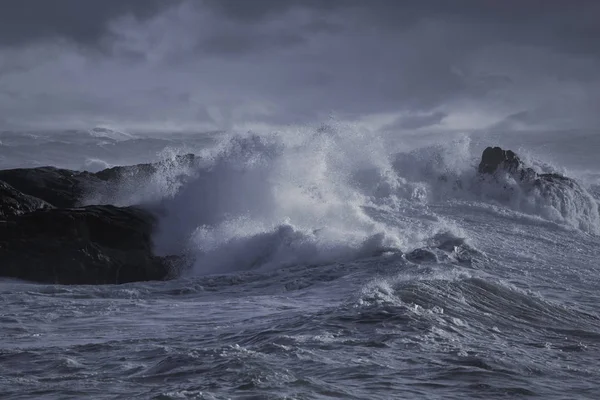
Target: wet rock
{"x":59,"y":187}
{"x":494,"y":158}
{"x":13,"y":202}
{"x":144,"y":171}
{"x":88,"y":245}
{"x":139,"y":171}
{"x":554,"y":195}
{"x":45,"y":237}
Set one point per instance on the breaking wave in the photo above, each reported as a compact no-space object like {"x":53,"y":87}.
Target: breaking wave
{"x":313,"y":196}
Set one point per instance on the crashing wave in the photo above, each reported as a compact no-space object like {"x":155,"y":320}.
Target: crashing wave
{"x":550,"y":195}
{"x":267,"y":201}
{"x":449,"y":172}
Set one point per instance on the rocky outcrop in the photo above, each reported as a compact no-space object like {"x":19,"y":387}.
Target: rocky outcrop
{"x":143,"y":171}
{"x":494,"y":158}
{"x":140,"y":171}
{"x":45,"y":237}
{"x":552,"y":195}
{"x":13,"y":202}
{"x":59,"y":187}
{"x":64,"y":188}
{"x":89,"y":245}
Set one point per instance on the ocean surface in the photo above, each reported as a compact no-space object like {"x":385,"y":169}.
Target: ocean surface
{"x":329,"y":262}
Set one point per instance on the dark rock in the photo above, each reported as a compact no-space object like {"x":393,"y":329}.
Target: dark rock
{"x":494,"y":158}
{"x":143,"y":171}
{"x":59,"y":187}
{"x":139,"y":171}
{"x":13,"y":202}
{"x":89,"y":245}
{"x":552,"y":191}
{"x":64,"y":188}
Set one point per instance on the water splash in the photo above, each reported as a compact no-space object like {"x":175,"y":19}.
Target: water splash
{"x":335,"y":193}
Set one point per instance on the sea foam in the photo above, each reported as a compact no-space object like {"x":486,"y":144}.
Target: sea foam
{"x":335,"y":193}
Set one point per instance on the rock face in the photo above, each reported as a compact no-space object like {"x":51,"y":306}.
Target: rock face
{"x":13,"y":202}
{"x":494,"y":158}
{"x":59,"y":187}
{"x":64,"y":188}
{"x":46,"y":238}
{"x":89,"y":245}
{"x":142,"y":171}
{"x":555,"y":196}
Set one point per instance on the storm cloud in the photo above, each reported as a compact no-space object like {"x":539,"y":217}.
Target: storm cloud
{"x":23,"y":21}
{"x":235,"y":64}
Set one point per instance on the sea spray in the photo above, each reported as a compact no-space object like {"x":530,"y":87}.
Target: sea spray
{"x":274,"y":200}
{"x":335,"y":193}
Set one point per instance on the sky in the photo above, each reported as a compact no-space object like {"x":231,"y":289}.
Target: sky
{"x":179,"y":65}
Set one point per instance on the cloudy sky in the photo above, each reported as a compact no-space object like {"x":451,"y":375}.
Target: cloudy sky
{"x":245,"y":64}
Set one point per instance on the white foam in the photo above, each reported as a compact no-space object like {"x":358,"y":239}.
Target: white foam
{"x":264,"y":201}
{"x":564,"y":203}
{"x":95,"y":165}
{"x":305,"y":196}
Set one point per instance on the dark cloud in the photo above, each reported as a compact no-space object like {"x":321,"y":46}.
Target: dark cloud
{"x":419,"y":63}
{"x":572,"y":26}
{"x":236,"y":43}
{"x":22,"y":21}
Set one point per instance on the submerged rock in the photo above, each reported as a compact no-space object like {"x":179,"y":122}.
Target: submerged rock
{"x":88,"y":245}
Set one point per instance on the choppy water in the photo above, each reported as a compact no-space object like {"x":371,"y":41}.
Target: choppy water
{"x":300,"y":289}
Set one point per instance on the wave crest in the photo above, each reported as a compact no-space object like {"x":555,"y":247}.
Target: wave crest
{"x":317,"y":196}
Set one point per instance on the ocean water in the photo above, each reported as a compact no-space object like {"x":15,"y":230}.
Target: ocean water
{"x":329,"y":262}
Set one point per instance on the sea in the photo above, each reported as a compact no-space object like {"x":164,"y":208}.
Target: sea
{"x":326,"y":262}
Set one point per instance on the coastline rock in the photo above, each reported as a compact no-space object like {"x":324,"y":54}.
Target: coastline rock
{"x":65,"y":188}
{"x":494,"y":158}
{"x":88,"y":245}
{"x":45,"y":237}
{"x":138,"y":171}
{"x":554,"y":196}
{"x":60,"y":187}
{"x":13,"y":202}
{"x":143,"y":171}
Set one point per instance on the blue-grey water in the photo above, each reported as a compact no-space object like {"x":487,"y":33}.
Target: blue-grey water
{"x":303,"y":285}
